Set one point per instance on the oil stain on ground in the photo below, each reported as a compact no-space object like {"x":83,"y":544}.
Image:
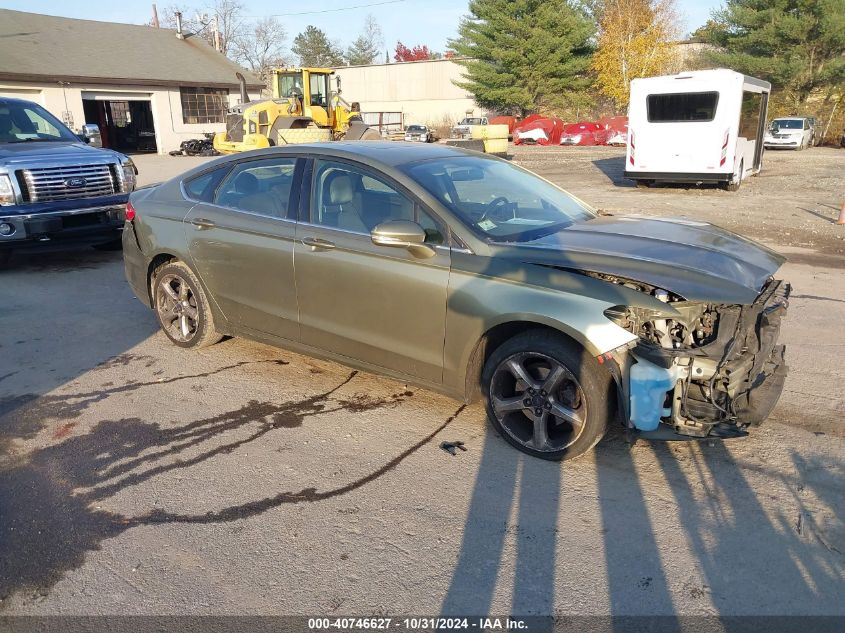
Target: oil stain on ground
{"x":50,"y":497}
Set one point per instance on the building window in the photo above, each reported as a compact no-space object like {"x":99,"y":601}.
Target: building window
{"x":204,"y":105}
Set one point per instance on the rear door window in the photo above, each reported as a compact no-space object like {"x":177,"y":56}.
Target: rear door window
{"x":262,"y":187}
{"x":202,"y":187}
{"x":682,"y":107}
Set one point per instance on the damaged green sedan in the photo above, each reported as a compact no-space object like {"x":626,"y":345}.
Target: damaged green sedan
{"x":466,"y":274}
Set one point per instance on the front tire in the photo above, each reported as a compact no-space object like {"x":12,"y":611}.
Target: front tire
{"x":182,"y":308}
{"x":546,"y":396}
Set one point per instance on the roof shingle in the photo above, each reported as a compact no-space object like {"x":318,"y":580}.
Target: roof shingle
{"x":34,"y":46}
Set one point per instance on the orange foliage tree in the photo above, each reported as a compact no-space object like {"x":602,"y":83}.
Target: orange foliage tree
{"x":635,"y":40}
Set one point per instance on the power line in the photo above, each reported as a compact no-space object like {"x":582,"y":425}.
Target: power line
{"x":357,"y":6}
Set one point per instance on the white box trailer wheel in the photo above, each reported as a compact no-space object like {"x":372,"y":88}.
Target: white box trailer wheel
{"x":704,"y":126}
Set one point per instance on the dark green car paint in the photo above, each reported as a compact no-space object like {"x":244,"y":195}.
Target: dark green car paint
{"x":419,"y":318}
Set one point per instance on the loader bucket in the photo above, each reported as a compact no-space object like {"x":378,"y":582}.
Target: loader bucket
{"x":361,"y":132}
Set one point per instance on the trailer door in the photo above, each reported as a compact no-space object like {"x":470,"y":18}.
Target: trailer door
{"x":681,"y":126}
{"x":752,"y":122}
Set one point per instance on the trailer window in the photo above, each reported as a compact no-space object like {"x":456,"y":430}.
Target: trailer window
{"x":682,"y":107}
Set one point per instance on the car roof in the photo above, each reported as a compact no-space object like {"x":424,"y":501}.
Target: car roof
{"x":386,"y":153}
{"x":16,"y":100}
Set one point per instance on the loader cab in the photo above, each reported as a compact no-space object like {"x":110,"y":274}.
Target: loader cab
{"x":309,"y":86}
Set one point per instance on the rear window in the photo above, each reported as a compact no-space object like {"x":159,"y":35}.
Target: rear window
{"x":682,"y":107}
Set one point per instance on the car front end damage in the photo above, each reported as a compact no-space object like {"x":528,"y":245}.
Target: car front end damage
{"x":699,"y":370}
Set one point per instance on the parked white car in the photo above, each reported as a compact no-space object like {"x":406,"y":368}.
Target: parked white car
{"x":464,"y":128}
{"x":789,"y":133}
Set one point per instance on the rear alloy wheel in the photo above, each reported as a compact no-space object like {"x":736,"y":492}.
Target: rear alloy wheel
{"x":545,"y":396}
{"x":182,"y":308}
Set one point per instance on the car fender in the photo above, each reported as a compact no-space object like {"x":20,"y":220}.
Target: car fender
{"x":477,"y":303}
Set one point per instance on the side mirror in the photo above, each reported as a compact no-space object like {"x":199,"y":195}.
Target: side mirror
{"x":402,"y":234}
{"x":90,"y":129}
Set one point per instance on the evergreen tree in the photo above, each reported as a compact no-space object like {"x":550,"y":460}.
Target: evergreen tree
{"x":367,"y":45}
{"x":313,"y":48}
{"x":525,"y":55}
{"x":797,"y":45}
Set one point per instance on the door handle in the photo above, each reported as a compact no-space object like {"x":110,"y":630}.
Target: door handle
{"x":318,"y":244}
{"x":202,"y":223}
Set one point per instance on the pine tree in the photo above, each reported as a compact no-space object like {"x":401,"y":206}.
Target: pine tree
{"x":367,"y":45}
{"x":797,"y":45}
{"x":525,"y":55}
{"x":313,"y":48}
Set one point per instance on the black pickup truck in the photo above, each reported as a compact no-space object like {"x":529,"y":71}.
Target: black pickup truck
{"x":54,"y":186}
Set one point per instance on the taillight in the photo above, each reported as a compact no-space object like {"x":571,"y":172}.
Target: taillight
{"x":130,"y":212}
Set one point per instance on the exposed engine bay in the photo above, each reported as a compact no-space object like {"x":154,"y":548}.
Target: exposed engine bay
{"x":706,"y":369}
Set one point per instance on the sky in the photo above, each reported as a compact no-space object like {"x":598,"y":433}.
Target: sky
{"x":430,"y":22}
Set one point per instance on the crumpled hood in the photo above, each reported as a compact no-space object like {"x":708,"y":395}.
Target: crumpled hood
{"x":696,"y":260}
{"x":20,"y":153}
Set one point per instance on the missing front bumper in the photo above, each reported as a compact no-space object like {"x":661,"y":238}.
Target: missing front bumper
{"x":722,"y":388}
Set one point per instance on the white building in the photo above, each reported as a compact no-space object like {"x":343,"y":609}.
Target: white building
{"x":147,"y":88}
{"x":424,"y":92}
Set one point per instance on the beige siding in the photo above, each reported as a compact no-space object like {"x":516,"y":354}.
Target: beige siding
{"x":423,"y":91}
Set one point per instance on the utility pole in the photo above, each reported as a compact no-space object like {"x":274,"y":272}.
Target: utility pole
{"x":155,"y":16}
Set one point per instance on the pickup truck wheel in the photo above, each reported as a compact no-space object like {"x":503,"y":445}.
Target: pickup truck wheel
{"x":546,"y":396}
{"x":182,"y":307}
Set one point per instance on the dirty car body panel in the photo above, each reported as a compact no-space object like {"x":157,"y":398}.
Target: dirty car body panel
{"x":682,"y":315}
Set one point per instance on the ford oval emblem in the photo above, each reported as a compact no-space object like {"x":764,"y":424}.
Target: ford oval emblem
{"x":75,"y":183}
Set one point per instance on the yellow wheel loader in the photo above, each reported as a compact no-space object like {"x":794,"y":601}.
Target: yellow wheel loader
{"x":304,"y":109}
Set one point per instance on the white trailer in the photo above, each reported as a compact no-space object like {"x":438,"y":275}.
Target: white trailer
{"x":704,"y":126}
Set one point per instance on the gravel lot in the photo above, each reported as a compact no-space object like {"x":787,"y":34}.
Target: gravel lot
{"x":140,"y":478}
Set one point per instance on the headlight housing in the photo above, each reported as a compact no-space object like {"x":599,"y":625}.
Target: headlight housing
{"x":129,"y":173}
{"x":7,"y":193}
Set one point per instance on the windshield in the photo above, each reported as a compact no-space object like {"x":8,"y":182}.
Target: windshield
{"x":471,"y":122}
{"x":787,"y":124}
{"x":290,"y":85}
{"x":22,"y":122}
{"x":415,"y":128}
{"x":498,"y":201}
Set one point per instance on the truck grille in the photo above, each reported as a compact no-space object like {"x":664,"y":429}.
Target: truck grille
{"x":69,"y":182}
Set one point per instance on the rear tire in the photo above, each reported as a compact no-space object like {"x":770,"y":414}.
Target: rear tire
{"x":181,"y":306}
{"x":5,"y":256}
{"x":546,"y":395}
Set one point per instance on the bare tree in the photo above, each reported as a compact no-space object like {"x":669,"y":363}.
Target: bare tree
{"x":201,"y":21}
{"x":261,"y":47}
